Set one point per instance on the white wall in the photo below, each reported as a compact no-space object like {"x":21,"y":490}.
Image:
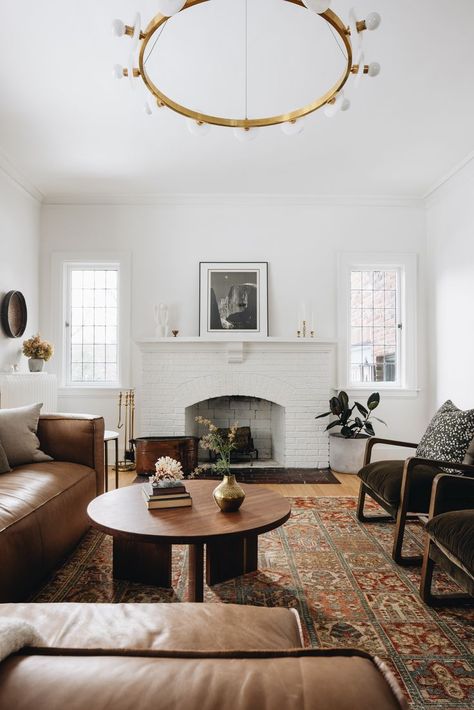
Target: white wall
{"x":19,"y":254}
{"x":300,"y":242}
{"x":450,"y":240}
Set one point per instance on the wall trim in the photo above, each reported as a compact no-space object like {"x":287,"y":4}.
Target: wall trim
{"x":447,"y":177}
{"x":231,"y":199}
{"x":8,"y":169}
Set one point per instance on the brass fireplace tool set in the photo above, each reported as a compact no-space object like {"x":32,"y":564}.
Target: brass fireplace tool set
{"x":126,"y":420}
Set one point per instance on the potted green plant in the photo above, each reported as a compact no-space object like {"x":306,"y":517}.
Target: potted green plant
{"x":228,"y":495}
{"x":347,"y":447}
{"x":37,"y":351}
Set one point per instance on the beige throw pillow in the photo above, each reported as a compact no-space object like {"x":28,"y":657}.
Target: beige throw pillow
{"x":18,"y":435}
{"x":4,"y":465}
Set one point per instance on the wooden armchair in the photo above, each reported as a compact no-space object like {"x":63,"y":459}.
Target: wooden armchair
{"x":402,"y":488}
{"x":450,"y":538}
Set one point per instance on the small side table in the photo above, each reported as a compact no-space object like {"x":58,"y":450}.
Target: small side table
{"x":111,"y":436}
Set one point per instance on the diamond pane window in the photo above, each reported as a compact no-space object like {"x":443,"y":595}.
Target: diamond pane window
{"x":375,"y":329}
{"x":92,"y":324}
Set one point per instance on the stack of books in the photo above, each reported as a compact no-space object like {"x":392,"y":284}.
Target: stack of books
{"x":166,"y":497}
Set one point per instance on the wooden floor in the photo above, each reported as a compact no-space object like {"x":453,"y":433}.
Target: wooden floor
{"x":349,"y":485}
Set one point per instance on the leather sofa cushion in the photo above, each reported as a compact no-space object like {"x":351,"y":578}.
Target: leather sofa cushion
{"x":455,"y":532}
{"x":385,"y":479}
{"x":184,"y":626}
{"x":28,"y":487}
{"x":332,"y":682}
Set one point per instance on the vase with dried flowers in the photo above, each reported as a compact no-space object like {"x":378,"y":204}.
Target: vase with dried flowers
{"x":37,"y":351}
{"x":228,"y":495}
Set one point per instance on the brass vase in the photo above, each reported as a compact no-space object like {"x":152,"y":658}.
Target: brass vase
{"x":228,"y":495}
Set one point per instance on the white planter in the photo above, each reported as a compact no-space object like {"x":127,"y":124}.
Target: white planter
{"x":346,"y":455}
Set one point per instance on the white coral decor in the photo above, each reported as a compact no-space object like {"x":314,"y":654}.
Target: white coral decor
{"x":167,"y":469}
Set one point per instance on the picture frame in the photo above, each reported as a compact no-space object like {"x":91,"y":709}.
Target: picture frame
{"x":233,"y":299}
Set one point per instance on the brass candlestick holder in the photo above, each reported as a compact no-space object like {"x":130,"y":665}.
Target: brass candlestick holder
{"x":304,"y":332}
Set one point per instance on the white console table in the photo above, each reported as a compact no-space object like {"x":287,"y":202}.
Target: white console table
{"x":20,"y":388}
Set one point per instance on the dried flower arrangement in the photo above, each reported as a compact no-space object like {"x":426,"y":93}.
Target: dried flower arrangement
{"x":220,"y":443}
{"x":34,"y":347}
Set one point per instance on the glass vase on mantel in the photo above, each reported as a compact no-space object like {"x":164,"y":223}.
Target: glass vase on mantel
{"x":161,"y":320}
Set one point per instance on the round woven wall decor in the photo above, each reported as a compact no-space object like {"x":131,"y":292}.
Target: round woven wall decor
{"x":14,"y":314}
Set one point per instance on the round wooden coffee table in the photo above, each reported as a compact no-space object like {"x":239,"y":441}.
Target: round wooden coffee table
{"x":143,"y":539}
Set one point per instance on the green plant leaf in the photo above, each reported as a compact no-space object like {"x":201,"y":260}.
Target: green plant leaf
{"x":373,"y":401}
{"x":380,"y":420}
{"x":369,"y":428}
{"x":346,"y":432}
{"x":332,"y":425}
{"x":345,"y":416}
{"x":358,"y":422}
{"x":335,"y":406}
{"x":361,"y":409}
{"x":343,"y":399}
{"x":320,"y":416}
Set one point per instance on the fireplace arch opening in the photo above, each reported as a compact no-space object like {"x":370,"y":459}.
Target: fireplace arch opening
{"x":265,"y":420}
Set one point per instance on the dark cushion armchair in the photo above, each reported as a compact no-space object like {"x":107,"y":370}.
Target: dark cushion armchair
{"x":402,"y":488}
{"x":450,"y":538}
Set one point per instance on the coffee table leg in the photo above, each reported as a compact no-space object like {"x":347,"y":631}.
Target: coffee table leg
{"x":145,"y":562}
{"x":196,"y":573}
{"x":231,"y":558}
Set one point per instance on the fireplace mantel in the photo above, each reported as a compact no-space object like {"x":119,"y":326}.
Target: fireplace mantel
{"x":236,"y":348}
{"x":216,"y":341}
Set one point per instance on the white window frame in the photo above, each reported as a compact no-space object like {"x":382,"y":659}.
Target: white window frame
{"x":62,"y":263}
{"x":406,"y":265}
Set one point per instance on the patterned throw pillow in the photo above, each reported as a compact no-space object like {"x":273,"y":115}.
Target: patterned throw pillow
{"x":449,"y":434}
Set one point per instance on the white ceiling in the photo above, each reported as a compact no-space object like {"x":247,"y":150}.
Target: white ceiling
{"x":72,"y":130}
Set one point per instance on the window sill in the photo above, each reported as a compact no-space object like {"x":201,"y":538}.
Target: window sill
{"x":90,"y":391}
{"x":395,"y":392}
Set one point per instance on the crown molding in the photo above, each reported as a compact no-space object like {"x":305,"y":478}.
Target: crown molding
{"x":430,"y":195}
{"x":237,"y":199}
{"x":20,"y":180}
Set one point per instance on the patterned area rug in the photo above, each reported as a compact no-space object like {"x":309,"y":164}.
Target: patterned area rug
{"x":339,"y":575}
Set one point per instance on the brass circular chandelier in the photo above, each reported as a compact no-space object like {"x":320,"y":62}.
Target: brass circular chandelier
{"x":348,"y":35}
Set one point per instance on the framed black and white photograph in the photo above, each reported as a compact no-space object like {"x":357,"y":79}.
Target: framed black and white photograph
{"x":233,"y":298}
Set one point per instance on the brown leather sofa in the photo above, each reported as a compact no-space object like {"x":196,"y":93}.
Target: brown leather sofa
{"x":43,"y":505}
{"x":186,"y":656}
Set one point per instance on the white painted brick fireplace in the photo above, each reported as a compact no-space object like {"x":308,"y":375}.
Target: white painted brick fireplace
{"x":294,"y":375}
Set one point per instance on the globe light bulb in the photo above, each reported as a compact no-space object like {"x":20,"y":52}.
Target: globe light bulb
{"x":346,"y":104}
{"x":136,"y":31}
{"x":197,"y":128}
{"x":170,"y":7}
{"x":118,"y":27}
{"x":374,"y":69}
{"x":331,"y":109}
{"x":317,"y":6}
{"x":292,"y":128}
{"x":117,"y":71}
{"x":245,"y":135}
{"x":373,"y":21}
